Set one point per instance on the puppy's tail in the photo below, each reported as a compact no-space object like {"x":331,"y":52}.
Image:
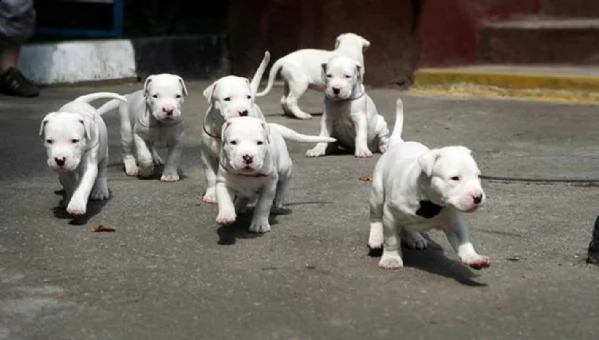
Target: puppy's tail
{"x":289,"y":134}
{"x":271,"y":77}
{"x":109,"y":106}
{"x":398,"y":127}
{"x":116,"y":100}
{"x":259,"y":73}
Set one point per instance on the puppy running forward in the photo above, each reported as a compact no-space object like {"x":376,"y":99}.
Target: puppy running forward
{"x":415,"y":189}
{"x":76,"y":144}
{"x":152,"y":118}
{"x":300,"y":70}
{"x":254,"y":161}
{"x":228,"y":97}
{"x":349,"y":113}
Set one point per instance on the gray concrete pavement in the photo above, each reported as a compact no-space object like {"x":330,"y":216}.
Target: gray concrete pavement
{"x":169,"y":272}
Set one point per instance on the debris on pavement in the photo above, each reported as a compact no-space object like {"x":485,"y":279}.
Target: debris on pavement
{"x":102,"y":228}
{"x":366,"y":178}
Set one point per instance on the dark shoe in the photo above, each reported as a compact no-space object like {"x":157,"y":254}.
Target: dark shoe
{"x":14,"y":83}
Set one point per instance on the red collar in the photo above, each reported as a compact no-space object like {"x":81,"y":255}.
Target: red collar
{"x":208,"y":133}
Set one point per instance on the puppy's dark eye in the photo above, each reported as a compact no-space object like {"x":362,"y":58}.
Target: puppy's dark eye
{"x":455,"y":178}
{"x":49,"y":141}
{"x":329,"y":76}
{"x":234,"y":142}
{"x":347,"y":76}
{"x":228,"y":99}
{"x":249,"y":97}
{"x":154,"y":96}
{"x":260,"y":142}
{"x":74,"y":141}
{"x":178,"y":96}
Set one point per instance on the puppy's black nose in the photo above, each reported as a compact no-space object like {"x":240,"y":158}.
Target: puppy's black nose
{"x":247,"y":159}
{"x":60,"y":161}
{"x":336,"y":90}
{"x":243,"y":113}
{"x":478,"y":199}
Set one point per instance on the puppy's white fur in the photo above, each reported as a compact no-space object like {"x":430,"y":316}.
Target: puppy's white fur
{"x":349,"y":113}
{"x":76,"y":144}
{"x":228,"y":97}
{"x":152,"y":118}
{"x":415,"y":189}
{"x":254,"y":162}
{"x":300,"y":70}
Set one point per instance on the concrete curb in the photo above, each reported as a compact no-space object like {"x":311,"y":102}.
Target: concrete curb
{"x":439,"y":76}
{"x":193,"y":57}
{"x":531,"y":85}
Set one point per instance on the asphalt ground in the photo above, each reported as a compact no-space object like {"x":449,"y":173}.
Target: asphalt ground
{"x":169,"y":271}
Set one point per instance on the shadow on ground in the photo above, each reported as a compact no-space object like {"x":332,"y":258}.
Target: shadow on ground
{"x":434,"y":261}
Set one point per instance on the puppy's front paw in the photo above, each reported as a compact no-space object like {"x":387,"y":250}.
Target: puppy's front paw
{"x":259,"y":226}
{"x":169,"y":177}
{"x":415,"y":241}
{"x":304,"y":116}
{"x":383,"y":148}
{"x":210,"y":196}
{"x":363,"y":153}
{"x":77,"y":207}
{"x":316,"y":151}
{"x":477,"y":262}
{"x":390,"y":260}
{"x":131,"y":168}
{"x":226,"y":217}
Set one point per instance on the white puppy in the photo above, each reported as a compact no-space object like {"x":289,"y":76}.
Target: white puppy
{"x":254,"y":161}
{"x":152,"y":118}
{"x":228,"y":97}
{"x":300,"y":70}
{"x":76,"y":144}
{"x":349,"y":113}
{"x":415,"y":189}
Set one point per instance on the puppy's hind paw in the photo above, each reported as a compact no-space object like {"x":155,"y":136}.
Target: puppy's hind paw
{"x":316,"y":152}
{"x":415,"y":241}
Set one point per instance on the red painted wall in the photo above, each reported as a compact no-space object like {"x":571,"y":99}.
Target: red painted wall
{"x":283,"y":26}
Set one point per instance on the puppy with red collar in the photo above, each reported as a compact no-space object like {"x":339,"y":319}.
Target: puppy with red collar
{"x":229,"y":96}
{"x":254,"y":162}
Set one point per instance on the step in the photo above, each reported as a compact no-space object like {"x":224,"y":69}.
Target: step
{"x":535,"y":40}
{"x":570,"y":8}
{"x":547,"y":82}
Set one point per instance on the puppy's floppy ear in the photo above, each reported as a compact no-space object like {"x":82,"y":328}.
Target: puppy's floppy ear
{"x":223,"y":129}
{"x":323,"y":74}
{"x":183,"y":87}
{"x":147,"y":83}
{"x":266,"y":128}
{"x":86,"y":126}
{"x":45,"y":121}
{"x":359,"y":72}
{"x":209,"y":91}
{"x":365,"y":44}
{"x":338,"y":40}
{"x":428,"y":160}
